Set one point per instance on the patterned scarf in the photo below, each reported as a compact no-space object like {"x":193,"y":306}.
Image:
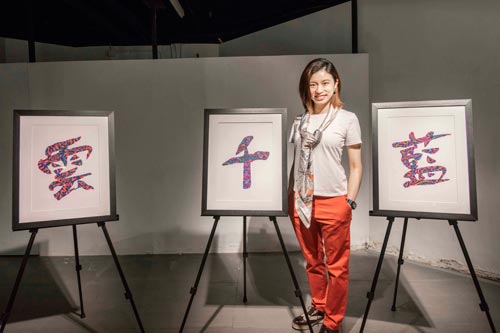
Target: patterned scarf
{"x":304,"y":181}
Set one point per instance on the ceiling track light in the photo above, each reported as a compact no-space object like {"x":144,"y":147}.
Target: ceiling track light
{"x":178,"y":7}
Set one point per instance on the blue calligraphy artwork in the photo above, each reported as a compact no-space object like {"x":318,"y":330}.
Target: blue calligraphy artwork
{"x":247,"y":160}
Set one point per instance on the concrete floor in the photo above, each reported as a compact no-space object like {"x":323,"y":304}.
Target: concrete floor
{"x":429,"y":299}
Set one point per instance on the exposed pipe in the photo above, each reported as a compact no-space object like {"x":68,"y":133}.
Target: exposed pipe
{"x":31,"y":31}
{"x":154,"y":34}
{"x":354,"y":22}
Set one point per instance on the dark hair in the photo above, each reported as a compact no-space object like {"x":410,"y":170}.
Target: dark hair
{"x":312,"y":67}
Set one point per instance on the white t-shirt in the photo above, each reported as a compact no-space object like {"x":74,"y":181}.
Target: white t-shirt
{"x":329,"y":175}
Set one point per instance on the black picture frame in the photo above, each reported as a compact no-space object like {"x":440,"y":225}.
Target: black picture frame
{"x":260,"y":113}
{"x":458,"y":110}
{"x":22,"y":116}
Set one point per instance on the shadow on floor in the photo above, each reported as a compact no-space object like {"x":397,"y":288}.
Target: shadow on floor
{"x":269,"y":283}
{"x":41,"y":292}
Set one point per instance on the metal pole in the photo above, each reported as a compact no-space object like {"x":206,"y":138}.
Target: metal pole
{"x":128,"y":293}
{"x":200,"y":271}
{"x":371,"y":293}
{"x":154,"y":33}
{"x":78,"y":268}
{"x":5,"y":316}
{"x":31,"y":32}
{"x":245,"y":256}
{"x":400,"y":262}
{"x":298,"y":293}
{"x":483,"y":305}
{"x":354,"y":25}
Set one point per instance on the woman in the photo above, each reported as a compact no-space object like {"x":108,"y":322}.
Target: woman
{"x":320,"y":198}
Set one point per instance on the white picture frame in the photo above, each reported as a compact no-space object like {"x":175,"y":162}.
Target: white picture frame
{"x":423,"y":160}
{"x":63,"y":168}
{"x":244,"y":162}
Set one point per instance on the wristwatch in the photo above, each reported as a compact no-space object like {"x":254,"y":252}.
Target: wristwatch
{"x":352,"y":203}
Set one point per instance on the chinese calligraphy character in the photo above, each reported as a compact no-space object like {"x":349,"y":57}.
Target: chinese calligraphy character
{"x":247,"y":160}
{"x":58,"y":156}
{"x":420,"y":175}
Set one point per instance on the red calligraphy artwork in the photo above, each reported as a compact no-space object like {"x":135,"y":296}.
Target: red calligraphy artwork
{"x":58,"y":156}
{"x":411,"y":156}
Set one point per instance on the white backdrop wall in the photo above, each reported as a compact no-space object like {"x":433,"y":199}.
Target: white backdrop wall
{"x":429,"y":50}
{"x":420,"y":50}
{"x":159,"y":135}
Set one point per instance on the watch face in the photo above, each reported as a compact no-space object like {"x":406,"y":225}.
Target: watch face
{"x":352,"y":203}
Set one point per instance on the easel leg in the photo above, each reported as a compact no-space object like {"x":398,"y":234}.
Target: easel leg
{"x":10,"y":304}
{"x":200,"y":271}
{"x":245,"y":256}
{"x":483,"y":305}
{"x":78,"y":268}
{"x":298,"y":293}
{"x":400,"y":262}
{"x":128,"y":293}
{"x":377,"y":272}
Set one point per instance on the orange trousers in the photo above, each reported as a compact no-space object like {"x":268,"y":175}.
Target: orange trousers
{"x":326,"y":247}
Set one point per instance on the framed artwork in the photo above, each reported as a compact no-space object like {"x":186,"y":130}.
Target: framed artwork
{"x":244,"y":162}
{"x":63,"y":172}
{"x":423,"y":160}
